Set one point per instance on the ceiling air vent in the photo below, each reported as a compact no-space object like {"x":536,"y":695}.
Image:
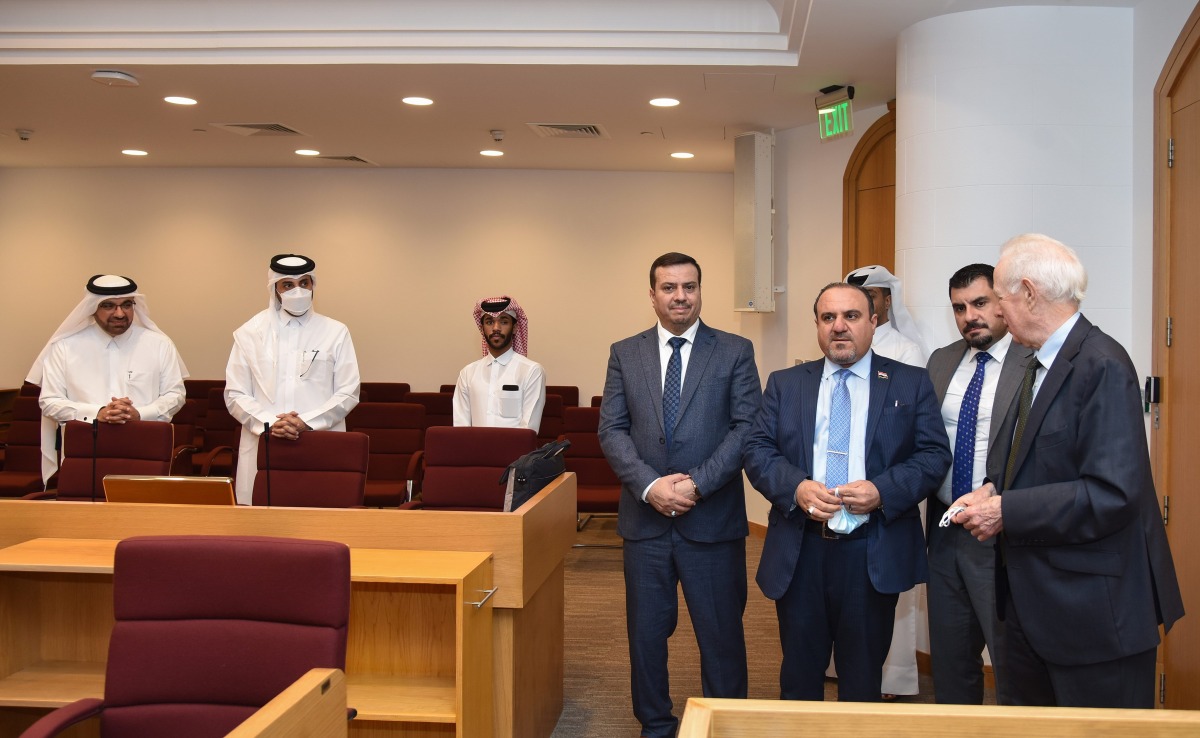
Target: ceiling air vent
{"x":257,"y":129}
{"x":351,"y":159}
{"x":568,"y":130}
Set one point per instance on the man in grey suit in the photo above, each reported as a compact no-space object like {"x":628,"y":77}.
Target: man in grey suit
{"x":975,"y":394}
{"x":679,"y":399}
{"x":1086,"y":575}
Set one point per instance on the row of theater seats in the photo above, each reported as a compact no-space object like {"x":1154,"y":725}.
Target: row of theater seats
{"x":398,"y":448}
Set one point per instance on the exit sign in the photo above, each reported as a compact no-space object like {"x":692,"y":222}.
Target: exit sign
{"x":835,"y":120}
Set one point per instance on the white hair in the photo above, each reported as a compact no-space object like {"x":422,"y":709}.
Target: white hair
{"x":1052,"y":266}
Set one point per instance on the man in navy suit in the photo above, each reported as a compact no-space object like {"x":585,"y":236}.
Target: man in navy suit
{"x":1085,"y":576}
{"x":678,"y":402}
{"x":840,"y":550}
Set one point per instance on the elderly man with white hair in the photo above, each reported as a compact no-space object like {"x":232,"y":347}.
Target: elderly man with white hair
{"x":504,"y":389}
{"x":1085,"y":575}
{"x":291,"y":369}
{"x":108,"y":363}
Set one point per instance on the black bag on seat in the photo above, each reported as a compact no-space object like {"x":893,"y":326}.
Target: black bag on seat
{"x":529,"y":474}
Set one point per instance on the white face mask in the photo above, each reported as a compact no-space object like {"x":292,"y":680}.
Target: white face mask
{"x":297,"y":301}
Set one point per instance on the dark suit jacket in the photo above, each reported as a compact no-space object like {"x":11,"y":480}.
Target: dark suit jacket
{"x":720,"y":395}
{"x":1086,"y":557}
{"x":942,"y":365}
{"x":907,"y":458}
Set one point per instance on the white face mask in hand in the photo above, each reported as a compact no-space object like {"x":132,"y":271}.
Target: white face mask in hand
{"x":297,"y":301}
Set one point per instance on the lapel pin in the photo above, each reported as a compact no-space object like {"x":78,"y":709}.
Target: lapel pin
{"x":881,"y":375}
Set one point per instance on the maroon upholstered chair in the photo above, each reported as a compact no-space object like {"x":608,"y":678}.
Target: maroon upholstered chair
{"x":319,"y":469}
{"x":22,"y":473}
{"x":220,"y":437}
{"x":397,"y":433}
{"x":596,"y":400}
{"x":439,"y":407}
{"x":598,"y":489}
{"x":210,"y":628}
{"x":568,"y":393}
{"x":448,"y":388}
{"x":463,"y":467}
{"x":552,"y":419}
{"x":383,"y":391}
{"x":92,"y":452}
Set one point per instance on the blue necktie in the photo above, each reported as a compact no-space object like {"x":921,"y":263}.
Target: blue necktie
{"x":671,"y":386}
{"x":837,"y":453}
{"x":964,"y":440}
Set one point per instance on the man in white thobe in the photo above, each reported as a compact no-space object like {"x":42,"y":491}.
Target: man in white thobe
{"x":504,"y":389}
{"x":291,"y":369}
{"x":108,"y":363}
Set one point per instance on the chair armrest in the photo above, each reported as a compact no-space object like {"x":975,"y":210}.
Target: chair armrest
{"x":181,"y":452}
{"x":210,"y":457}
{"x":415,"y":473}
{"x":412,"y":505}
{"x":46,"y":494}
{"x":64,"y":717}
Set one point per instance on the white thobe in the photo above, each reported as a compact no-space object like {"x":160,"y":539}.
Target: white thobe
{"x":279,"y":364}
{"x":83,"y":372}
{"x":481,"y":400}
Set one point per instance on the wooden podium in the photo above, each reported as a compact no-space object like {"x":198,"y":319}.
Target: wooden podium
{"x":527,"y":549}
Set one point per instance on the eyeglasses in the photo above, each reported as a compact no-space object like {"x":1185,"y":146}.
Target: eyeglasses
{"x":126,"y":306}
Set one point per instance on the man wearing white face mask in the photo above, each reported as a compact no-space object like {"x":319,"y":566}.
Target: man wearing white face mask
{"x":291,"y":368}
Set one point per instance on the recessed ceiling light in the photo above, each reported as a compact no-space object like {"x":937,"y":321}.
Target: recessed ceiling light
{"x":308,"y":152}
{"x":133,"y":152}
{"x":491,"y":152}
{"x":664,"y":102}
{"x":682,"y":155}
{"x":177,"y":100}
{"x":417,"y":101}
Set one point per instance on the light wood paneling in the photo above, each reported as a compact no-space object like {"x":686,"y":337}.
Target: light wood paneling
{"x":313,"y":707}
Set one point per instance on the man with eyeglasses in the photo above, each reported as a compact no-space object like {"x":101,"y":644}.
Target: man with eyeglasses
{"x":291,"y":369}
{"x":108,"y":362}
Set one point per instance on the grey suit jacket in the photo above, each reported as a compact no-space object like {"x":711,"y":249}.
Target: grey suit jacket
{"x":944,"y":362}
{"x":718,"y":401}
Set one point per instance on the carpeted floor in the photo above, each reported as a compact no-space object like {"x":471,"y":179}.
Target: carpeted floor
{"x":596,"y":651}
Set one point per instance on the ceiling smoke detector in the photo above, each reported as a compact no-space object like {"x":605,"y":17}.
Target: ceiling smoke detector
{"x":113,"y":78}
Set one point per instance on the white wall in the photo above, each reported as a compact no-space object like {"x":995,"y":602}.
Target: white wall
{"x":402,"y":256}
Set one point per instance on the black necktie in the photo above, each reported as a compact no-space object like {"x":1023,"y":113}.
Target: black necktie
{"x":671,"y":386}
{"x":1026,"y":401}
{"x":964,"y":439}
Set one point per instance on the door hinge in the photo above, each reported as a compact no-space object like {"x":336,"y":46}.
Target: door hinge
{"x":1168,"y":331}
{"x":1166,"y":508}
{"x":1170,"y":153}
{"x":1162,"y":688}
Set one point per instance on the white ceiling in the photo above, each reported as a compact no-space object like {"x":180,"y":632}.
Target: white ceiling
{"x":336,"y":73}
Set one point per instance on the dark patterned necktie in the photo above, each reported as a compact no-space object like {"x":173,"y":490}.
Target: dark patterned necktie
{"x":1026,"y":401}
{"x":670,"y":398}
{"x":964,"y":440}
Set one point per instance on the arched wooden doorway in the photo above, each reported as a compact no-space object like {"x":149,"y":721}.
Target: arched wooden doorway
{"x":1174,"y":434}
{"x":869,"y":198}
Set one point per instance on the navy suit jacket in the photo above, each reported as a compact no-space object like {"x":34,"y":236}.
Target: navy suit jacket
{"x":1086,"y":559}
{"x":907,"y":458}
{"x":720,"y":395}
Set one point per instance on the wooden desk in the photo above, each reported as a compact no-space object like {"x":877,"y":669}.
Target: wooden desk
{"x":313,"y":707}
{"x":528,"y":547}
{"x":715,"y":718}
{"x":419,"y":649}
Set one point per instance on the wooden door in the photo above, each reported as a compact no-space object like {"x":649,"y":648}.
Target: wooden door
{"x":1175,"y":435}
{"x":869,"y":198}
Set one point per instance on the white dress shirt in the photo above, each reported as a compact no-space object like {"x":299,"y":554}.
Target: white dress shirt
{"x":83,"y":372}
{"x":279,"y":364}
{"x":481,"y":400}
{"x":664,"y":357}
{"x":1049,"y":350}
{"x":952,"y":405}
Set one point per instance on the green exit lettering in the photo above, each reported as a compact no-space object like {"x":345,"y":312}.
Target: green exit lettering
{"x":836,"y":121}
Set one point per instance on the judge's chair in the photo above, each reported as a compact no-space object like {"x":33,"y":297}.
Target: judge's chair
{"x":91,"y":452}
{"x":598,"y":488}
{"x":210,"y":628}
{"x":463,"y":467}
{"x":319,"y":469}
